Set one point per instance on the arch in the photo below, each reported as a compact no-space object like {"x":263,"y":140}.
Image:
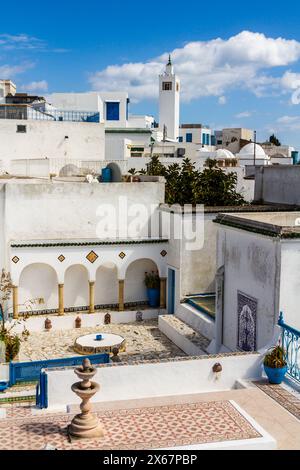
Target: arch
{"x":106,"y":284}
{"x":116,"y":172}
{"x":69,"y":170}
{"x":39,"y":280}
{"x":76,"y":286}
{"x":135,"y":289}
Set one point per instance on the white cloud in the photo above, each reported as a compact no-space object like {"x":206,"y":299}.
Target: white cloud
{"x":289,"y":123}
{"x":206,"y":68}
{"x":8,"y":71}
{"x":20,"y":41}
{"x":222,"y":100}
{"x":244,"y":114}
{"x":35,"y":86}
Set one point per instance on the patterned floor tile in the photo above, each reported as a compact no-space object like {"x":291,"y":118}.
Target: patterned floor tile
{"x":144,"y":428}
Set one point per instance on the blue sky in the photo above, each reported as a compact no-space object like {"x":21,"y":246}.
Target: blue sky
{"x":239,"y":64}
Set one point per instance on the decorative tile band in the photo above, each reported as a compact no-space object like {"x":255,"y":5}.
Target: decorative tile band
{"x":92,"y":243}
{"x":85,"y":308}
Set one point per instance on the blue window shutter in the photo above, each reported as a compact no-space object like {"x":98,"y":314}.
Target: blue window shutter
{"x":203,"y":139}
{"x":189,"y":137}
{"x":180,"y":139}
{"x":112,"y":111}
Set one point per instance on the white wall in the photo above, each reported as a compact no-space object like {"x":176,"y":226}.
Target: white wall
{"x":71,"y":210}
{"x":290,"y":282}
{"x":77,"y":102}
{"x":38,"y":281}
{"x":76,"y":287}
{"x":47,"y":139}
{"x":129,"y":382}
{"x":251,"y":264}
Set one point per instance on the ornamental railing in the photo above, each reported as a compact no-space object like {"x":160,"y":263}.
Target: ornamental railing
{"x":290,"y":339}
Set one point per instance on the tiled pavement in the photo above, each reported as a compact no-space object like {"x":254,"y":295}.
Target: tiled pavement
{"x":140,"y":428}
{"x":282,"y":396}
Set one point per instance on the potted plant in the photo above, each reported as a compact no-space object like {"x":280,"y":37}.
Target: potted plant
{"x":152,"y":282}
{"x":275,"y":364}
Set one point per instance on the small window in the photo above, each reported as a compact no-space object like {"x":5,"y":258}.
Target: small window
{"x":21,"y":129}
{"x":112,"y":111}
{"x":189,"y":137}
{"x":180,"y":139}
{"x":177,"y":86}
{"x":167,"y":86}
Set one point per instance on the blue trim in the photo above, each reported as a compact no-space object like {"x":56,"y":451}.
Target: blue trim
{"x":29,"y":371}
{"x":290,"y":342}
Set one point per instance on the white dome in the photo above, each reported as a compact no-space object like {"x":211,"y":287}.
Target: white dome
{"x":202,"y":149}
{"x":248,"y":152}
{"x":224,"y":153}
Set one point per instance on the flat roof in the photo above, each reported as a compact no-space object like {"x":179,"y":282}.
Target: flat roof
{"x":274,"y":224}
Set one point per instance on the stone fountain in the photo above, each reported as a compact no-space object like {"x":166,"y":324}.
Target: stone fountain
{"x":85,"y":424}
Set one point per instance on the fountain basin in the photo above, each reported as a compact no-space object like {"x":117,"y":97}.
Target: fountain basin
{"x":88,"y":344}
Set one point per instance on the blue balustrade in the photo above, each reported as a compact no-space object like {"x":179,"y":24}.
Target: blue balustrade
{"x":290,"y":341}
{"x":30,"y":371}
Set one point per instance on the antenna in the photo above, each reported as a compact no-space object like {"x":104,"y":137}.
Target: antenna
{"x":254,"y":148}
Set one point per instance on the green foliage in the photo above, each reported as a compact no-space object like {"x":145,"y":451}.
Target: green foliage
{"x":152,"y":280}
{"x":273,"y":140}
{"x":186,"y":185}
{"x":276,"y":358}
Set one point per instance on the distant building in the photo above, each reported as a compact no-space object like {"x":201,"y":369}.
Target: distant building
{"x":233,"y":139}
{"x":197,"y":134}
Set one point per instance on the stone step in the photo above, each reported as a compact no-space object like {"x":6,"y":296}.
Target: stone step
{"x":197,"y":320}
{"x":184,"y":336}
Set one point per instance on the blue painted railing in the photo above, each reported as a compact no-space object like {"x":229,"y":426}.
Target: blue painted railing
{"x":29,"y":371}
{"x":290,"y":341}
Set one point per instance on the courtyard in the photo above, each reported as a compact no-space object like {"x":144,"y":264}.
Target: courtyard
{"x":143,"y":341}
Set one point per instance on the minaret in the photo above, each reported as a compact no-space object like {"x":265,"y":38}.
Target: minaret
{"x":169,"y":93}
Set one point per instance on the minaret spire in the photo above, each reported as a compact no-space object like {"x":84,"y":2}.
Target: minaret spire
{"x":170,"y":62}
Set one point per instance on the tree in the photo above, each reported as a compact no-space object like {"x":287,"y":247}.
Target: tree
{"x":187,"y":185}
{"x":273,"y":140}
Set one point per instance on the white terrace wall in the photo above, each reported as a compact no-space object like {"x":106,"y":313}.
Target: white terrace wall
{"x":146,"y":380}
{"x":51,"y":139}
{"x":73,"y":210}
{"x":251,"y":267}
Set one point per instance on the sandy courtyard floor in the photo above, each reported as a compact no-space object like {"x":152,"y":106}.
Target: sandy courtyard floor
{"x":143,"y":341}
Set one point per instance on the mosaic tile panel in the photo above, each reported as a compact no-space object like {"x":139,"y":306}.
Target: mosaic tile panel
{"x":246,"y":315}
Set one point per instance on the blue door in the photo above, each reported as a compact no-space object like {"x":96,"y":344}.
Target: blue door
{"x":171,"y":291}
